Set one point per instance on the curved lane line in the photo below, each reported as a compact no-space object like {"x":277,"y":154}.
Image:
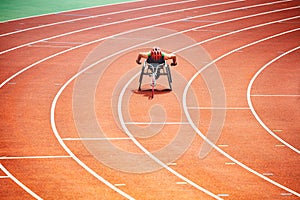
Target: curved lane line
{"x":207,"y":140}
{"x":134,"y":30}
{"x":122,"y":122}
{"x":24,"y":187}
{"x":113,"y":23}
{"x":82,"y":164}
{"x":52,"y":108}
{"x":94,"y":16}
{"x":140,"y":146}
{"x":251,"y":105}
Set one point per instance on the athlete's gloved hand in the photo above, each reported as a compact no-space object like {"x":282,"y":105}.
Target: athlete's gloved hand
{"x":174,"y":64}
{"x":138,"y":62}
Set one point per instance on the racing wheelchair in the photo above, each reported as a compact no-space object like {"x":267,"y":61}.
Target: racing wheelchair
{"x":155,"y":70}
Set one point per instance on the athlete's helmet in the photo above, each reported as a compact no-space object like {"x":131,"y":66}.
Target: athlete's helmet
{"x":156,"y":53}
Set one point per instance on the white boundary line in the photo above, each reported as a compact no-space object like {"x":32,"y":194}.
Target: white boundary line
{"x":218,"y":108}
{"x":52,"y":111}
{"x":94,"y":139}
{"x":159,"y":14}
{"x":205,"y":138}
{"x":59,"y":12}
{"x":156,"y":123}
{"x":123,"y":33}
{"x":122,"y":21}
{"x":275,"y":95}
{"x":19,"y":183}
{"x":251,"y":105}
{"x":94,"y":16}
{"x":139,"y":145}
{"x":30,"y":157}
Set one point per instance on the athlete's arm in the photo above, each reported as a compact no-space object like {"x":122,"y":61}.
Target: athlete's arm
{"x":140,"y":56}
{"x":171,"y":56}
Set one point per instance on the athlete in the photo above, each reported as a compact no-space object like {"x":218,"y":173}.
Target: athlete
{"x":156,"y":56}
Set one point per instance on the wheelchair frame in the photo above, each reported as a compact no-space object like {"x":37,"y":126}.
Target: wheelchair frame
{"x":155,"y":70}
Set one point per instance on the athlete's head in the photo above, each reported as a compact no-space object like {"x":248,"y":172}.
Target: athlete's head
{"x":156,"y":53}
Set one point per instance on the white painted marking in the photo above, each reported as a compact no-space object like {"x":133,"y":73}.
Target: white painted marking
{"x":31,"y":157}
{"x":62,"y":42}
{"x":126,"y":32}
{"x":268,"y":174}
{"x":230,"y":163}
{"x":286,"y":194}
{"x":120,"y":184}
{"x":12,"y":83}
{"x":276,"y":95}
{"x":279,"y":145}
{"x":223,"y":195}
{"x":94,"y":139}
{"x":157,"y":123}
{"x":4,"y":177}
{"x":276,"y":130}
{"x":55,"y":100}
{"x":202,"y":135}
{"x":181,"y":183}
{"x":133,"y":19}
{"x":223,"y":145}
{"x":251,"y":105}
{"x":48,"y":46}
{"x":172,"y":164}
{"x":19,"y":183}
{"x":218,"y":108}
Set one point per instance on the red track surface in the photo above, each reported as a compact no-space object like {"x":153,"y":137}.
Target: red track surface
{"x":43,"y":154}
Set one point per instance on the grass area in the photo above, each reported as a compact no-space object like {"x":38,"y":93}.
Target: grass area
{"x":14,"y":9}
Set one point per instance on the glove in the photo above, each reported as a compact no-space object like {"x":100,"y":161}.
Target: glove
{"x":138,"y":62}
{"x":173,"y":64}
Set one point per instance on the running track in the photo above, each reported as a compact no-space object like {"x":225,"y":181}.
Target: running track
{"x":69,"y":95}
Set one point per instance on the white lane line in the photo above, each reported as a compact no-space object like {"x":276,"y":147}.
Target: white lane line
{"x":156,"y":123}
{"x":106,"y":5}
{"x":205,"y":138}
{"x":275,"y":95}
{"x":164,"y":23}
{"x":94,"y":139}
{"x":268,"y":174}
{"x":139,"y":18}
{"x":139,"y":145}
{"x":94,"y":16}
{"x":218,"y":108}
{"x":4,"y":177}
{"x":53,"y":107}
{"x":120,"y":184}
{"x":48,"y":46}
{"x":82,"y":71}
{"x":223,"y":195}
{"x":251,"y":105}
{"x":74,"y":157}
{"x":19,"y":183}
{"x":112,"y":23}
{"x":223,"y":145}
{"x":30,"y":157}
{"x":181,"y":183}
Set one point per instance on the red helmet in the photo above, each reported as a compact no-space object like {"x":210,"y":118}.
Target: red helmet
{"x":156,"y":53}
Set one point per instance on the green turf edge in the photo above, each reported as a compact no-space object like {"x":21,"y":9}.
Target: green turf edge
{"x":18,"y":9}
